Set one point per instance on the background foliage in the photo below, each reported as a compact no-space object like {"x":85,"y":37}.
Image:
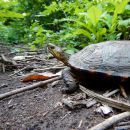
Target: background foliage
{"x":73,"y":24}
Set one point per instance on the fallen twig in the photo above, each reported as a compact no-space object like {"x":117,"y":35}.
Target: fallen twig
{"x":111,"y":93}
{"x":72,"y":104}
{"x":124,"y":123}
{"x":6,"y":61}
{"x":92,"y":101}
{"x":126,"y":127}
{"x":49,"y":68}
{"x":123,"y":92}
{"x":110,"y":121}
{"x":68,"y":113}
{"x":19,"y":70}
{"x":80,"y":123}
{"x":88,"y":103}
{"x":3,"y":67}
{"x":19,"y":90}
{"x":105,"y":100}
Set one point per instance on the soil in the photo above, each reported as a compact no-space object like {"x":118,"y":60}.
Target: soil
{"x":41,"y":108}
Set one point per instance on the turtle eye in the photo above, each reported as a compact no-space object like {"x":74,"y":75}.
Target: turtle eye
{"x":52,"y":47}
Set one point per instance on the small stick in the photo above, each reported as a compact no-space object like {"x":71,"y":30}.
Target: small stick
{"x":80,"y":123}
{"x":124,"y":123}
{"x":7,"y":61}
{"x":123,"y":92}
{"x":111,"y":93}
{"x":68,"y":113}
{"x":3,"y":67}
{"x":110,"y":121}
{"x":49,"y":68}
{"x":44,"y":114}
{"x":126,"y":127}
{"x":19,"y":90}
{"x":105,"y":100}
{"x":92,"y":101}
{"x":19,"y":70}
{"x":88,"y":103}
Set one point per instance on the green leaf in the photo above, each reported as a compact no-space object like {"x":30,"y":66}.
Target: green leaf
{"x":5,"y":13}
{"x":127,"y":9}
{"x":94,"y":13}
{"x":100,"y":33}
{"x":117,"y":11}
{"x":124,"y":23}
{"x":50,"y":9}
{"x":83,"y":32}
{"x":119,"y":7}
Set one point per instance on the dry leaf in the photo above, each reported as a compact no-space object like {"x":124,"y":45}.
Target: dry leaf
{"x":34,"y":77}
{"x":38,"y":76}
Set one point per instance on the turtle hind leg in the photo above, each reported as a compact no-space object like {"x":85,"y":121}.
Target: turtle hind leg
{"x":70,"y":82}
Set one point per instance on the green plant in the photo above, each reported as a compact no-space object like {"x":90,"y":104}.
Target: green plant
{"x":101,"y":21}
{"x":89,"y":22}
{"x":72,"y":24}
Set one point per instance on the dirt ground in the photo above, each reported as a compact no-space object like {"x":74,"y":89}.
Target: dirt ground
{"x":41,"y":108}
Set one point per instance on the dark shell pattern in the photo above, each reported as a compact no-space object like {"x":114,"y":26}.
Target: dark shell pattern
{"x":111,"y":57}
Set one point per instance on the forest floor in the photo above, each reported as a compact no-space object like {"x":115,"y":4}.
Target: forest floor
{"x":41,"y":108}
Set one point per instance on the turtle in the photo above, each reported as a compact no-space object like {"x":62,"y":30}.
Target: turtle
{"x":105,"y":62}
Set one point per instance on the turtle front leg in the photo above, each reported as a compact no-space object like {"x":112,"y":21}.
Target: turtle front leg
{"x":70,"y":82}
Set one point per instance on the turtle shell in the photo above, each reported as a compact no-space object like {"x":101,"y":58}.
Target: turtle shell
{"x":111,"y":58}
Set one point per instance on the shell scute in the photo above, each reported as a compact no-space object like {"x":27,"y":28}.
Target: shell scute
{"x":111,"y":58}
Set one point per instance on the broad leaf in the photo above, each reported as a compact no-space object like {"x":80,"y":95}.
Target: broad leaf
{"x":4,"y":13}
{"x":83,"y":32}
{"x":94,"y":13}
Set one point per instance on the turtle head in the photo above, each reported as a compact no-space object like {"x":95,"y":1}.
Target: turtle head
{"x":58,"y":53}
